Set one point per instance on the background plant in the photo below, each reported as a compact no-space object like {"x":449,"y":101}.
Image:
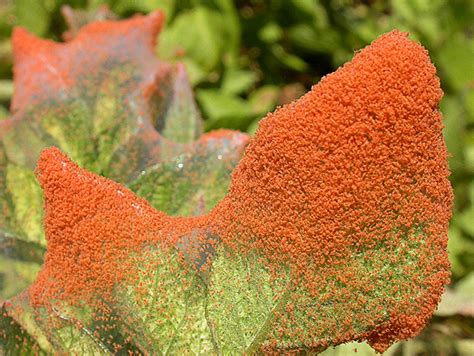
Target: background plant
{"x":245,"y":57}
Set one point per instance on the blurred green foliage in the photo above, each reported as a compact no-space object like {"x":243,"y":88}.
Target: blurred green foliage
{"x":246,"y":57}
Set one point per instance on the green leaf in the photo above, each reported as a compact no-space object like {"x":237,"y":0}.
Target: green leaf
{"x":33,"y":15}
{"x":197,"y":74}
{"x":231,"y":30}
{"x":27,"y":199}
{"x":405,"y":9}
{"x":103,"y":113}
{"x":21,"y":201}
{"x":201,"y":42}
{"x":456,"y":57}
{"x":289,"y":60}
{"x":469,"y":100}
{"x":465,"y":287}
{"x":122,"y":113}
{"x":454,"y":130}
{"x":167,"y":6}
{"x":223,"y":110}
{"x":469,"y":152}
{"x":193,"y":183}
{"x":20,"y":261}
{"x":3,"y":112}
{"x":160,"y":308}
{"x":318,"y":317}
{"x":264,"y":99}
{"x":170,"y":304}
{"x":164,"y":313}
{"x":270,"y":33}
{"x":6,"y":89}
{"x":458,"y":245}
{"x":179,"y":119}
{"x":314,"y":9}
{"x":306,"y":37}
{"x":111,"y":114}
{"x":244,"y":298}
{"x":237,"y":81}
{"x":19,"y":333}
{"x":466,"y":217}
{"x":256,"y":304}
{"x":357,"y":349}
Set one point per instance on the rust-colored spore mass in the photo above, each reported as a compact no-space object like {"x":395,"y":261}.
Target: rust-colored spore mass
{"x":356,"y":165}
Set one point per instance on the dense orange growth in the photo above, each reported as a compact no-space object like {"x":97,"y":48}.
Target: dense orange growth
{"x":91,"y":225}
{"x":107,"y":78}
{"x":357,"y":163}
{"x":44,"y":66}
{"x":347,"y":188}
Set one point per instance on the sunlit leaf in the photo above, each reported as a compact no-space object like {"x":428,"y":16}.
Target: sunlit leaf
{"x":195,"y":181}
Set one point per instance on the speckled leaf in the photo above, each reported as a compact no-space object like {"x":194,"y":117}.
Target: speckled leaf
{"x":19,"y":332}
{"x":170,"y":306}
{"x":74,"y":329}
{"x":158,"y":305}
{"x":165,"y":313}
{"x":116,"y":110}
{"x":364,"y":235}
{"x":318,"y":213}
{"x":374,"y":277}
{"x":251,"y":309}
{"x":96,"y":93}
{"x":244,"y":299}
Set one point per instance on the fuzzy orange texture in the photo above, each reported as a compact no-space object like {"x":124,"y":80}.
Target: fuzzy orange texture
{"x":86,"y":218}
{"x":78,"y":72}
{"x":358,"y":160}
{"x":44,"y":65}
{"x":75,"y":71}
{"x":92,"y":226}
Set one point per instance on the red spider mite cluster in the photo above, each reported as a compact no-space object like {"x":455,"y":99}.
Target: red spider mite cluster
{"x":346,"y":188}
{"x":355,"y":166}
{"x":58,"y":65}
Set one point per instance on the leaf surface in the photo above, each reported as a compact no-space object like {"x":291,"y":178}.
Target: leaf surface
{"x":104,"y":99}
{"x":118,"y":111}
{"x":193,"y":182}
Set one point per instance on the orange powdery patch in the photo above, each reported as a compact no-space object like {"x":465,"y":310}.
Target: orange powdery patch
{"x":344,"y":183}
{"x":45,"y":67}
{"x":92,"y":226}
{"x":115,"y":267}
{"x":91,"y":89}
